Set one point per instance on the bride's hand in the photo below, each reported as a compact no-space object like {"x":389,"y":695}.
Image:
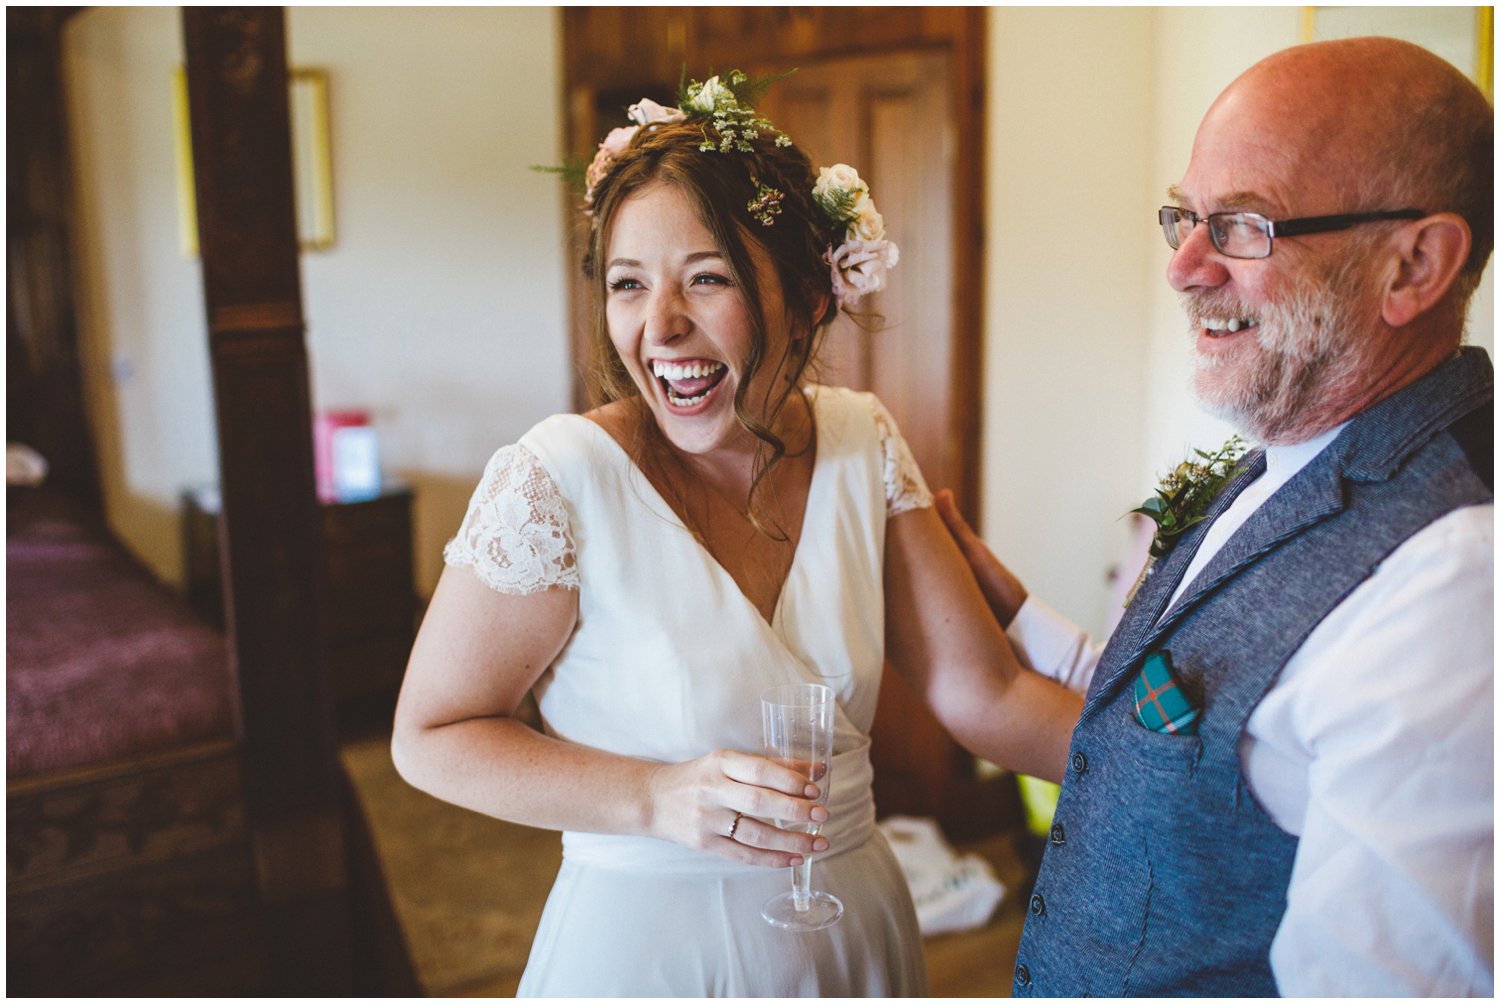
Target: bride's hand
{"x":708,"y":804}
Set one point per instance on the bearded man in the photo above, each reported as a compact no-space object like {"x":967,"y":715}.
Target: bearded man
{"x":1282,"y":778}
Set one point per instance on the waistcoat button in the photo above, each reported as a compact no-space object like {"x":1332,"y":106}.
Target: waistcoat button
{"x":1038,"y":905}
{"x":1080,"y":763}
{"x":1023,"y":976}
{"x":1057,"y":833}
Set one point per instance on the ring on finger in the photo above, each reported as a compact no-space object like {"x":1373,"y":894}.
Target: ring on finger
{"x":735,"y":824}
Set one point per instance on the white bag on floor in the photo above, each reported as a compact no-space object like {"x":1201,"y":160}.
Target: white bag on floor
{"x":952,"y":893}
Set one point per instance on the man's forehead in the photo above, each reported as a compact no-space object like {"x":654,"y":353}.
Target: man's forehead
{"x":1244,"y":163}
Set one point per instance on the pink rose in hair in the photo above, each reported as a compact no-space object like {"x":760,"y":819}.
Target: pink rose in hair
{"x":859,"y":267}
{"x":614,"y":144}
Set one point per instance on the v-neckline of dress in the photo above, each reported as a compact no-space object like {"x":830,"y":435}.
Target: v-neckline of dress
{"x":660,"y":503}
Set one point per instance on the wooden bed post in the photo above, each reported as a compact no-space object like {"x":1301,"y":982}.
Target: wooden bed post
{"x":270,"y":531}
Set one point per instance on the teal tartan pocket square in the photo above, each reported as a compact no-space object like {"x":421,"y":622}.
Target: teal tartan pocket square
{"x":1161,"y":704}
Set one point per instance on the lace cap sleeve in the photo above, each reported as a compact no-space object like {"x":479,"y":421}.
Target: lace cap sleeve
{"x":904,"y":487}
{"x":516,"y":534}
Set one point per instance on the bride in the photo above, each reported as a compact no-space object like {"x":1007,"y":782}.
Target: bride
{"x":646,"y":570}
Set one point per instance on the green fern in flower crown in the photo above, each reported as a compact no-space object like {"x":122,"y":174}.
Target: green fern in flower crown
{"x":573,"y":172}
{"x":838,"y":205}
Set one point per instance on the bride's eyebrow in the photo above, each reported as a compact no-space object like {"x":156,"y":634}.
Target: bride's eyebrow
{"x":691,"y":259}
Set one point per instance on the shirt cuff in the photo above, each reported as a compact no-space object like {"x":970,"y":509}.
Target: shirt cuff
{"x":1053,"y":645}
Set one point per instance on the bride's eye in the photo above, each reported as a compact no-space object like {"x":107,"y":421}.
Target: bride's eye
{"x":624,"y":283}
{"x":710,"y":279}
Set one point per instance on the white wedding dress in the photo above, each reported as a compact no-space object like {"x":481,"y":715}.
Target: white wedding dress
{"x":667,"y":662}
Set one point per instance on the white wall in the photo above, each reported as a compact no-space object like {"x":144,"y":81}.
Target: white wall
{"x":440,"y":307}
{"x":140,"y":309}
{"x":1068,"y":273}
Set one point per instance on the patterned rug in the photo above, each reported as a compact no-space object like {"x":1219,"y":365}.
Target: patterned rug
{"x":468,"y":890}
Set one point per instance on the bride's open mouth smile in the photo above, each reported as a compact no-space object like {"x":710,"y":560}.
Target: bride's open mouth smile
{"x":688,"y":384}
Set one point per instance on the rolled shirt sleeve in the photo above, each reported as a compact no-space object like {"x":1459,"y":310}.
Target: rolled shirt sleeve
{"x":1052,"y":645}
{"x":1377,"y":748}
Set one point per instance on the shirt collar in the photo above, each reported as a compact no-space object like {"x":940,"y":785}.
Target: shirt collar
{"x":1284,"y":461}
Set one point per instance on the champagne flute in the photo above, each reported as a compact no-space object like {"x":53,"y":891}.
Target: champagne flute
{"x":798,"y":722}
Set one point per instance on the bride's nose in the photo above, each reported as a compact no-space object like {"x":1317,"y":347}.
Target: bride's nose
{"x":666,"y":317}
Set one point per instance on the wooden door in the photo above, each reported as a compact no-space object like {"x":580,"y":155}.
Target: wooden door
{"x":886,"y":116}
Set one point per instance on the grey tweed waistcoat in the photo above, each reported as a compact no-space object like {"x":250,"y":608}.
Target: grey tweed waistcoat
{"x":1163,"y":875}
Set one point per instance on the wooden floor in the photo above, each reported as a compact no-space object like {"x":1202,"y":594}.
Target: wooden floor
{"x":469,"y":891}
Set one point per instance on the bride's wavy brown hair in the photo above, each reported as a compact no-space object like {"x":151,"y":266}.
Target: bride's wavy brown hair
{"x":720,"y":186}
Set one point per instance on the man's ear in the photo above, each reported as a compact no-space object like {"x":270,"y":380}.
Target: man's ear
{"x":1432,"y":252}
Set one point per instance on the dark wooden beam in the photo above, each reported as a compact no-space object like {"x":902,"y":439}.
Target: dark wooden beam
{"x":270,"y":529}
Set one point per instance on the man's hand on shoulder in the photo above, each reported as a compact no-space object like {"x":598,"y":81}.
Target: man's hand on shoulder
{"x":1002,"y":590}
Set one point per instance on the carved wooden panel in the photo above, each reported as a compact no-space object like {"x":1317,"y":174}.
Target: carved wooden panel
{"x":62,"y":829}
{"x":184,"y":927}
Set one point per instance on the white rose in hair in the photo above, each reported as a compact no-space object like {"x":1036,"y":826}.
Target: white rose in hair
{"x":838,"y":178}
{"x":868,"y":224}
{"x":648,"y":112}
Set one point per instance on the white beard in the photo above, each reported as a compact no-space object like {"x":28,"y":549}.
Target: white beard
{"x":1311,"y":344}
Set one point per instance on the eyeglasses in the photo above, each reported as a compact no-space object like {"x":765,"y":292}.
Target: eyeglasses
{"x":1248,"y":235}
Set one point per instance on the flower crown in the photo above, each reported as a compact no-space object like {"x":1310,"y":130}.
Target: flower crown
{"x":860,"y":258}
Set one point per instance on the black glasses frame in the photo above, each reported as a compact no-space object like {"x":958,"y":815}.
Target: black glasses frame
{"x":1167,"y":217}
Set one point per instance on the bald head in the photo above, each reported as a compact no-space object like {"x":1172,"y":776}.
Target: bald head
{"x":1383,"y":123}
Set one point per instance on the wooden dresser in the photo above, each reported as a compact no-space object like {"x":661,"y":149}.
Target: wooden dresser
{"x":370,"y":606}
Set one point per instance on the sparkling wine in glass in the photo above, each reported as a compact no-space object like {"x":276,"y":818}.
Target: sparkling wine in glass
{"x":798,"y":721}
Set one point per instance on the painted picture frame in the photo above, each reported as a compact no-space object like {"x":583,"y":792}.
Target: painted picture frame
{"x":312,"y":160}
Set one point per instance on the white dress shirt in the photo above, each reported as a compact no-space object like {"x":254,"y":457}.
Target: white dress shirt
{"x":1375,"y":747}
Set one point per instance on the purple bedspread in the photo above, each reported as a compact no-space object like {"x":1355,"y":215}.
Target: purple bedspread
{"x":103,"y":663}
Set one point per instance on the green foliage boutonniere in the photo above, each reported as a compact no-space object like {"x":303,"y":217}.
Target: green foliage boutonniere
{"x":1183,"y":497}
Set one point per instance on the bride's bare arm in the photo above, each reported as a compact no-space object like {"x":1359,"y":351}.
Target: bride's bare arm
{"x":456,"y":737}
{"x":942,"y":637}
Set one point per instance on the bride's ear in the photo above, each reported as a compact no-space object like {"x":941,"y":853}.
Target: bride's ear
{"x":824,"y":309}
